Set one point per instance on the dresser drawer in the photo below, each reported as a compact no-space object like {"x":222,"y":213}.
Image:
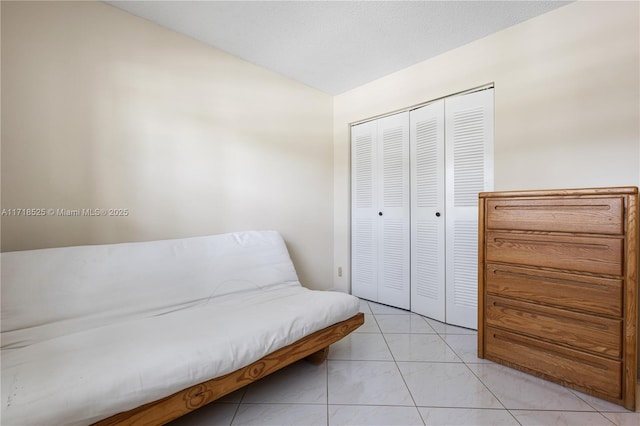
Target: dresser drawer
{"x":565,"y":366}
{"x":581,"y":215}
{"x":602,"y":336}
{"x":579,"y":292}
{"x":600,"y":255}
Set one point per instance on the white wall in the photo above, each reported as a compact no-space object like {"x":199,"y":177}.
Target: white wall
{"x":566,"y":103}
{"x":101,"y":109}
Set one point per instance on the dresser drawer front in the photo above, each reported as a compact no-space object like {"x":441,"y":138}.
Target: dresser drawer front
{"x":581,"y":215}
{"x":593,"y":373}
{"x":600,"y":255}
{"x":579,"y":292}
{"x":601,"y":336}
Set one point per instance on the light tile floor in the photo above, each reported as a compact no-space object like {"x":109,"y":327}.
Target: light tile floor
{"x":401,"y":369}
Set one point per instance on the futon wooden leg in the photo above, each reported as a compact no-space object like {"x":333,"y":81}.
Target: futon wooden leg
{"x":319,"y":357}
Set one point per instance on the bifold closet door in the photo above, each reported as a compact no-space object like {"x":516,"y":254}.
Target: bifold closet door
{"x":415,"y":183}
{"x":364,"y":201}
{"x":380,"y":211}
{"x":427,"y":211}
{"x":469,"y":170}
{"x":451,"y":150}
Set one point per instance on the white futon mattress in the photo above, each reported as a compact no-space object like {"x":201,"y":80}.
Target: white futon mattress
{"x":86,"y":375}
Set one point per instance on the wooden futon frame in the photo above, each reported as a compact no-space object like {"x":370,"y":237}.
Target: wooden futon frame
{"x":314,"y":347}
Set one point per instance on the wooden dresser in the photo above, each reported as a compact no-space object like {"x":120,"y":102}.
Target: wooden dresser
{"x":558,"y":287}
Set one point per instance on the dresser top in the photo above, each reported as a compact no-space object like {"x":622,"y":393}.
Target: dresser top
{"x":619,"y":190}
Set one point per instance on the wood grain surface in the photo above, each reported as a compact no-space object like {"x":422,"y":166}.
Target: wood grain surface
{"x":558,"y":287}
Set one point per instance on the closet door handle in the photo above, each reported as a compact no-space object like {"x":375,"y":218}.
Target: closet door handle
{"x":437,"y":214}
{"x":379,"y":213}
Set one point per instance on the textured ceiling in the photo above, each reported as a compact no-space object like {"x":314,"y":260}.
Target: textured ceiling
{"x":335,"y":46}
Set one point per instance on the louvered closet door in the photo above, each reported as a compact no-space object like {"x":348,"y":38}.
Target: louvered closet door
{"x":469,"y":170}
{"x":394,"y":209}
{"x":364,"y":213}
{"x":428,"y":211}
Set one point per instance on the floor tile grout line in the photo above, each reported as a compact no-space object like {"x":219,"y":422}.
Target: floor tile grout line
{"x":327,"y":384}
{"x":612,"y":422}
{"x":593,"y":409}
{"x":235,"y":412}
{"x":442,"y":336}
{"x":453,"y":350}
{"x":559,"y":411}
{"x":463,"y":362}
{"x":486,"y":386}
{"x":403,"y":378}
{"x":584,"y":400}
{"x":284,"y":403}
{"x":376,"y":321}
